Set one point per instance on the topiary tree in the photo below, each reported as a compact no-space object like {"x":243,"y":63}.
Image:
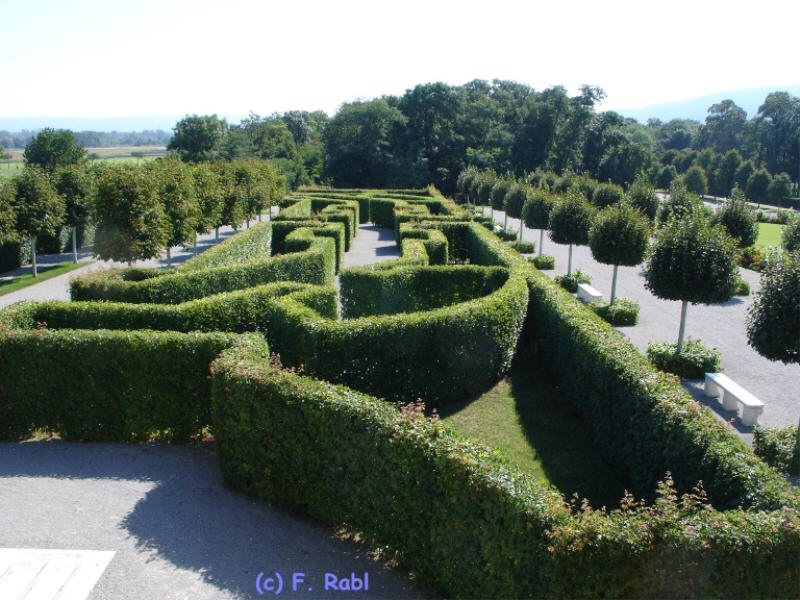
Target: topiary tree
{"x":209,"y":199}
{"x":465,"y":181}
{"x":642,"y":196}
{"x":738,"y":219}
{"x":74,"y":185}
{"x":570,"y":221}
{"x":743,"y":174}
{"x":39,"y":208}
{"x":498,"y":195}
{"x":773,"y":320}
{"x":619,"y":236}
{"x":130,"y":223}
{"x":790,"y":239}
{"x":536,"y":212}
{"x":692,"y":261}
{"x":8,"y":215}
{"x":178,"y":198}
{"x":680,"y":203}
{"x":482,"y":188}
{"x":758,"y":187}
{"x":695,"y":180}
{"x":515,"y":199}
{"x":607,"y":194}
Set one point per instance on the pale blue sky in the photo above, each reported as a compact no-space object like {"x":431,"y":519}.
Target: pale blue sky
{"x":91,"y":58}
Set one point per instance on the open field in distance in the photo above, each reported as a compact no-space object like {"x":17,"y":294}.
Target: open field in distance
{"x":9,"y":168}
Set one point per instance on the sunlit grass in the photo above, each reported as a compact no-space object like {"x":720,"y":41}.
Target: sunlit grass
{"x":45,"y":272}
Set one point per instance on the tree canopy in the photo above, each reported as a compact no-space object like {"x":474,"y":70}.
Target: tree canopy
{"x":51,"y":148}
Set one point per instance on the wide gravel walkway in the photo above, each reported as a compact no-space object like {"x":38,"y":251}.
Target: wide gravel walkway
{"x":719,"y":325}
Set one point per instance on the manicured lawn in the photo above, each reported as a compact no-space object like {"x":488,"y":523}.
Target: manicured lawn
{"x":45,"y":273}
{"x":769,"y":234}
{"x":524,"y":417}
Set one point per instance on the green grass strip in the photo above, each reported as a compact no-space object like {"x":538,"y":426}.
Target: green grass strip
{"x":45,"y":273}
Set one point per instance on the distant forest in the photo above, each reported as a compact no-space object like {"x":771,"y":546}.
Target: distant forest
{"x":93,"y":139}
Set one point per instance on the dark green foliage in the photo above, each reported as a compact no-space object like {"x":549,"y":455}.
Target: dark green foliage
{"x":774,"y":319}
{"x":790,"y":238}
{"x":623,"y":312}
{"x":570,"y":220}
{"x":198,"y":138}
{"x":739,"y":219}
{"x":507,"y":235}
{"x":619,"y":235}
{"x":366,"y":292}
{"x":692,"y":261}
{"x":642,"y":196}
{"x":499,"y":190}
{"x":515,"y":199}
{"x":39,"y":209}
{"x":758,"y":187}
{"x":779,"y":190}
{"x":545,"y":262}
{"x":607,"y":194}
{"x":666,"y":176}
{"x":106,"y":385}
{"x":692,"y":362}
{"x":524,"y":247}
{"x":537,"y":209}
{"x":778,"y":448}
{"x":570,"y":282}
{"x":51,"y":148}
{"x":695,"y":180}
{"x":680,"y":203}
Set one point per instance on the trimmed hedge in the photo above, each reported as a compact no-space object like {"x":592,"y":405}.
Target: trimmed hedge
{"x":239,"y":311}
{"x":316,"y":265}
{"x":435,"y":242}
{"x":251,"y":244}
{"x":643,"y":421}
{"x":483,"y":531}
{"x":106,"y":385}
{"x":366,"y":292}
{"x":693,"y":361}
{"x":624,"y":311}
{"x":335,"y":231}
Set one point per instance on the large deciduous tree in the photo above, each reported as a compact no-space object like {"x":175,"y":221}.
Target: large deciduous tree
{"x":619,"y":236}
{"x":758,"y":187}
{"x":198,"y":138}
{"x":130,"y":223}
{"x":570,"y":221}
{"x":51,"y":148}
{"x":39,"y":208}
{"x":691,"y":261}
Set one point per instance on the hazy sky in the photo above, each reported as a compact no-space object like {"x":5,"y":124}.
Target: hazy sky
{"x":111,"y":58}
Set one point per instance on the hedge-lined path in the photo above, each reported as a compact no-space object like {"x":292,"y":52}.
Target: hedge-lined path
{"x":371,"y":244}
{"x":720,"y":325}
{"x":176,"y":530}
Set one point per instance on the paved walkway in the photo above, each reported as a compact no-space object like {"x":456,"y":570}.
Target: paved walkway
{"x":719,"y":325}
{"x":175,"y":529}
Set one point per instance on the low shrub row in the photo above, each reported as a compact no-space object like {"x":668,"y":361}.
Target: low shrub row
{"x":624,"y":311}
{"x":484,"y":530}
{"x":543,"y":262}
{"x":570,"y":282}
{"x":779,"y":448}
{"x":434,"y":240}
{"x":251,"y":244}
{"x":107,"y":385}
{"x":692,"y":362}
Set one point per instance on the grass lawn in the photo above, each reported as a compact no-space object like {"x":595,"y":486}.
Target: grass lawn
{"x":524,"y":418}
{"x":769,"y":234}
{"x":45,"y":273}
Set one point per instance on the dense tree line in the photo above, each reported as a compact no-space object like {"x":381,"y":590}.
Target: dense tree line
{"x":136,"y":211}
{"x":94,"y":139}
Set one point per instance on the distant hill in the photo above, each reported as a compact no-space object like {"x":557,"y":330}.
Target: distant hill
{"x":697,"y":108}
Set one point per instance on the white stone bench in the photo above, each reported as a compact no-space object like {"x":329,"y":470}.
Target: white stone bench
{"x":733,"y":396}
{"x":588,"y":294}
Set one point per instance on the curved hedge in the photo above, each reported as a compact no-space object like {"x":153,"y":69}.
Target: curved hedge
{"x":457,"y":515}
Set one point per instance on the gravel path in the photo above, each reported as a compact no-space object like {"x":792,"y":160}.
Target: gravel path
{"x":176,"y":530}
{"x":719,"y":325}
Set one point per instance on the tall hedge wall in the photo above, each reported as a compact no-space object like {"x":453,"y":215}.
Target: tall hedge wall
{"x":455,"y":514}
{"x":106,"y":385}
{"x":250,"y":244}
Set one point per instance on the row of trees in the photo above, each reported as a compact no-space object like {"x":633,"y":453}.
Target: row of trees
{"x":94,"y":139}
{"x":137,"y":211}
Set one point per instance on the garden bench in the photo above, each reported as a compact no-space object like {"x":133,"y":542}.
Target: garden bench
{"x":588,"y":294}
{"x":733,"y":395}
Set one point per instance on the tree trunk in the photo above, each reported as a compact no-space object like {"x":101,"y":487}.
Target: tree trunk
{"x":794,"y":465}
{"x":569,"y":262}
{"x":248,"y":222}
{"x":491,"y":215}
{"x":74,"y":245}
{"x":216,"y":233}
{"x":259,"y":217}
{"x":169,"y":256}
{"x":505,"y":223}
{"x":614,"y":286}
{"x":682,"y":330}
{"x":541,"y":240}
{"x":194,"y":248}
{"x":33,"y":255}
{"x":520,"y":230}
